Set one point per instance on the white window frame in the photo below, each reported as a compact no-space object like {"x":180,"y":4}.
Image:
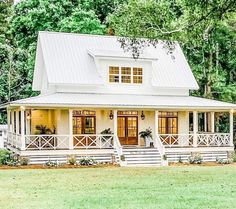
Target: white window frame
{"x":120,"y":75}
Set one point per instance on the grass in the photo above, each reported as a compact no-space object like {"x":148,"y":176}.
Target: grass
{"x":179,"y":187}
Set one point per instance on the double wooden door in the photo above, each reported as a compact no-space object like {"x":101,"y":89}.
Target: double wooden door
{"x":128,"y":130}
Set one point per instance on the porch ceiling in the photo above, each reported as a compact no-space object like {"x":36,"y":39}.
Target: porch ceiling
{"x":122,"y":101}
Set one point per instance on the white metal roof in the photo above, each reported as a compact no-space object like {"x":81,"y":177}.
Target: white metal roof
{"x":67,"y":61}
{"x":111,"y":100}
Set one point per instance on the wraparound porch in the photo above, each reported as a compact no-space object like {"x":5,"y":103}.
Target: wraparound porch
{"x":81,"y":130}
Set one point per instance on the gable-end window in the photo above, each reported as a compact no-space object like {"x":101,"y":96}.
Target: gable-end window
{"x":125,"y":75}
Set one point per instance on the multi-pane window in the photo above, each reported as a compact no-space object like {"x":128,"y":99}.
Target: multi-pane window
{"x":137,"y":75}
{"x":125,"y":75}
{"x":168,"y":123}
{"x":84,"y":122}
{"x":114,"y":75}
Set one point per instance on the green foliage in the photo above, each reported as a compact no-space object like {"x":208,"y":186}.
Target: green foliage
{"x":24,"y":161}
{"x":5,"y":156}
{"x":8,"y":158}
{"x":87,"y":161}
{"x":146,"y":133}
{"x":72,"y":160}
{"x":195,"y":159}
{"x":50,"y":163}
{"x":223,"y":161}
{"x":205,"y":29}
{"x":41,"y":129}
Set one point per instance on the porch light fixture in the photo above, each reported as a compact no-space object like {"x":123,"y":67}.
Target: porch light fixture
{"x":142,"y":116}
{"x":111,"y":115}
{"x":28,"y":116}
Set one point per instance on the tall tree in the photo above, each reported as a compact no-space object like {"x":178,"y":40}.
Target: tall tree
{"x":200,"y":27}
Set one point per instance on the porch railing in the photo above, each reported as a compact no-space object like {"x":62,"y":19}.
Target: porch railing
{"x":46,"y":142}
{"x":14,"y":140}
{"x":203,"y":139}
{"x":176,"y":140}
{"x":96,"y":141}
{"x":214,"y":139}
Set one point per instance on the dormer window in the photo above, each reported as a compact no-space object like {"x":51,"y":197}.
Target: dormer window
{"x":125,"y":75}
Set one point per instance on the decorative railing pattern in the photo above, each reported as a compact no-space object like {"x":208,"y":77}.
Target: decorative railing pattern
{"x":45,"y":142}
{"x":14,"y":140}
{"x":176,"y":140}
{"x":90,"y":141}
{"x":214,"y":139}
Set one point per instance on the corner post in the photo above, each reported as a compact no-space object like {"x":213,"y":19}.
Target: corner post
{"x":195,"y":128}
{"x":231,"y":128}
{"x":22,"y":117}
{"x":71,"y":129}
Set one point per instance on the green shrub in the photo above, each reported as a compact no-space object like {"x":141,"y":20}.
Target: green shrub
{"x":122,"y":158}
{"x":5,"y":156}
{"x":72,"y":160}
{"x":87,"y":161}
{"x":50,"y":163}
{"x":24,"y":161}
{"x":195,"y":159}
{"x":180,"y":159}
{"x":234,"y":158}
{"x":223,"y":161}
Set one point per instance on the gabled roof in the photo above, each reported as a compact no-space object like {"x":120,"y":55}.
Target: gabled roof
{"x":68,"y":58}
{"x":123,"y":101}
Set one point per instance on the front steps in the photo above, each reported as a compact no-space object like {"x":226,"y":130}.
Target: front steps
{"x":142,"y":157}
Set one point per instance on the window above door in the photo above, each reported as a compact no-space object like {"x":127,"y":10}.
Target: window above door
{"x":126,"y":75}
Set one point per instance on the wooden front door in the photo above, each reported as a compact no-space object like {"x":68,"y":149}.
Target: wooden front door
{"x":128,"y":130}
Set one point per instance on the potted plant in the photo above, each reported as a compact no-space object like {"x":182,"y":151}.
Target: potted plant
{"x":44,"y":130}
{"x":105,"y":138}
{"x":123,"y":161}
{"x":147,"y":136}
{"x":165,"y":160}
{"x":41,"y":130}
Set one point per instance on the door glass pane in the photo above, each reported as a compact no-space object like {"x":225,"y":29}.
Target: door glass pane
{"x":132,"y":126}
{"x":77,"y":125}
{"x":89,"y":125}
{"x":121,"y":126}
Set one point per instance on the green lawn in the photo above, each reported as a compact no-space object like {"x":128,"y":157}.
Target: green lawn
{"x":181,"y":187}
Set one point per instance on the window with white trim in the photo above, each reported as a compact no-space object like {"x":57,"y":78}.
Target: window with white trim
{"x":125,"y":75}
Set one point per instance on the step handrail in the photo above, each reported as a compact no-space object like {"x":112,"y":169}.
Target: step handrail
{"x":118,"y":146}
{"x":158,"y":144}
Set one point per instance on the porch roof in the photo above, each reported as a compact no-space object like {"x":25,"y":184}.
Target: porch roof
{"x":122,"y":101}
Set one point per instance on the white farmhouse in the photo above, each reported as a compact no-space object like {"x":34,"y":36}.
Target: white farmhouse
{"x":95,"y":99}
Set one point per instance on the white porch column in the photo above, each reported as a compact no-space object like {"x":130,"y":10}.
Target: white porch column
{"x":22,"y":118}
{"x":195,"y":128}
{"x":115,"y":122}
{"x":231,"y":128}
{"x":156,"y":125}
{"x":212,"y":122}
{"x":17,"y":121}
{"x":71,"y":129}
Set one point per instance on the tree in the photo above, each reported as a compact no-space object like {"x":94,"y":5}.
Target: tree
{"x":5,"y":54}
{"x":202,"y":27}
